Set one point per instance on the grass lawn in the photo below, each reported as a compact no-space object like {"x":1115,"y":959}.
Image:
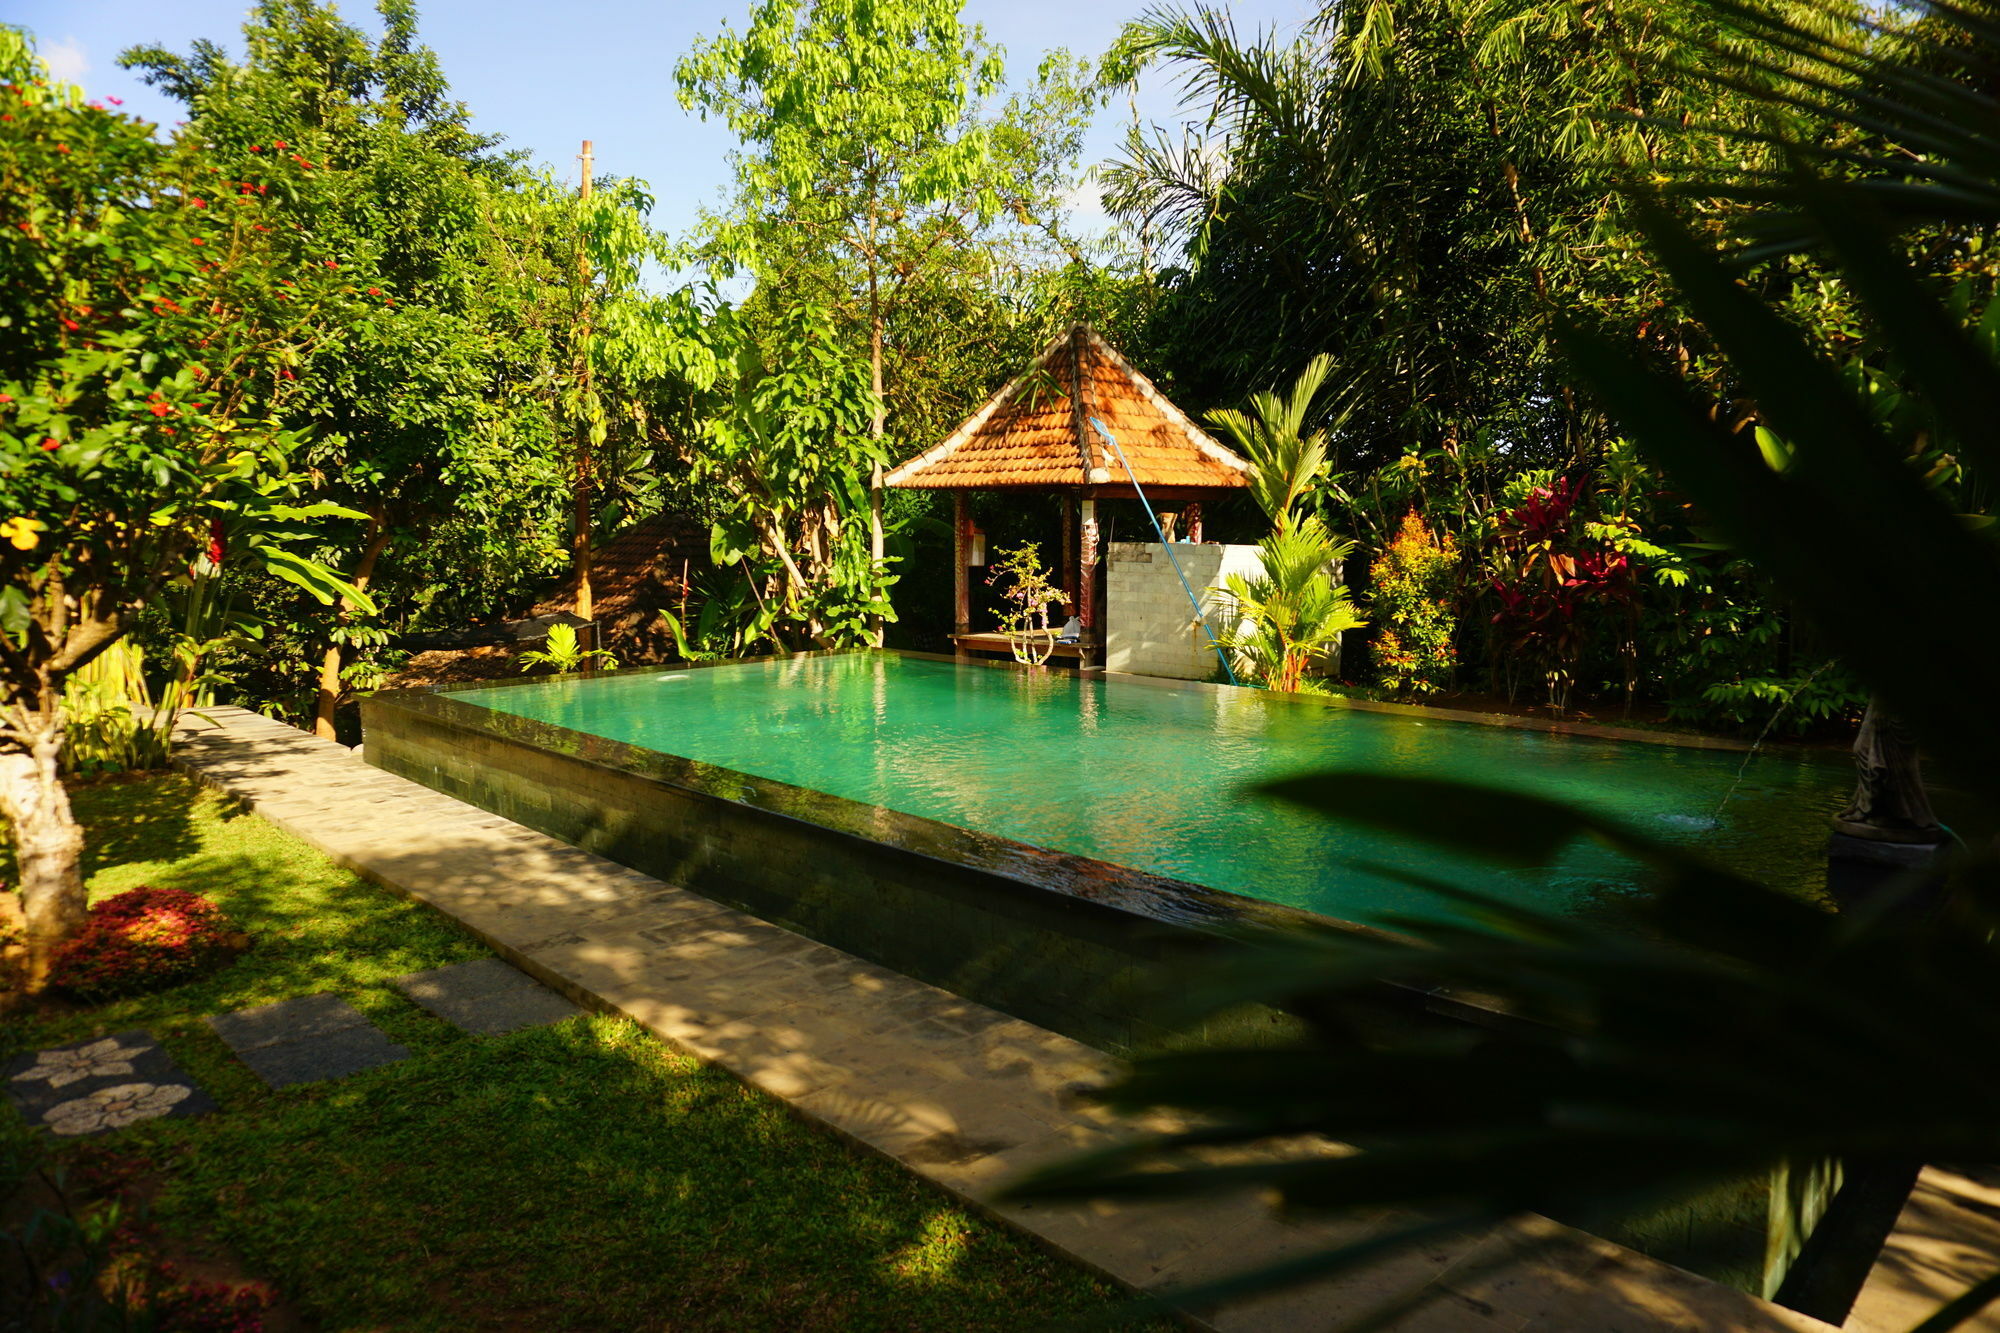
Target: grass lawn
{"x":581,"y":1176}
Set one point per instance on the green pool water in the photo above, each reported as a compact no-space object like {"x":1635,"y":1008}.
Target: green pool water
{"x":1156,"y":778}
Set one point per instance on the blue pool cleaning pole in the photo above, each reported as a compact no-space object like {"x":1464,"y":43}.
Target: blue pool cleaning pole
{"x":1167,"y":546}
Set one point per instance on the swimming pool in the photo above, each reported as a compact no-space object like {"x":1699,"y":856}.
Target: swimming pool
{"x":1038,"y":840}
{"x":1158,"y":778}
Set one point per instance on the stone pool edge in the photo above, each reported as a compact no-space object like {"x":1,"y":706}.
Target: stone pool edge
{"x":1090,"y":948}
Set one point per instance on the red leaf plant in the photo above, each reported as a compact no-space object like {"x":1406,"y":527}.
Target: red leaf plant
{"x":146,"y":939}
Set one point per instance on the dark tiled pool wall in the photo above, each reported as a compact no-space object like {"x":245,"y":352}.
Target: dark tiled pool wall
{"x":1101,"y":974}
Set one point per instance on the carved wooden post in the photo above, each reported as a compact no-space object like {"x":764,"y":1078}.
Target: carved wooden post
{"x":1069,"y":549}
{"x":1088,"y":654}
{"x":961,"y":573}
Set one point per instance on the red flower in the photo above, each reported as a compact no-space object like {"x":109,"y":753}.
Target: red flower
{"x":6,"y":397}
{"x":51,"y":444}
{"x":71,"y":325}
{"x":284,"y":372}
{"x":62,"y":148}
{"x":256,"y":148}
{"x":199,"y":241}
{"x":279,"y":143}
{"x":161,"y":409}
{"x":329,"y":263}
{"x":197,"y":202}
{"x":374,"y":291}
{"x":215,"y":540}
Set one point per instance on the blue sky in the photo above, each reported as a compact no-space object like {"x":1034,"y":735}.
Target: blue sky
{"x":548,"y":76}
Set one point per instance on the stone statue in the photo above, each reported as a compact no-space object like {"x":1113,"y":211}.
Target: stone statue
{"x":1889,"y":803}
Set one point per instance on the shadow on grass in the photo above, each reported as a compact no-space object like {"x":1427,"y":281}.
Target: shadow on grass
{"x":314,"y":926}
{"x":584,"y":1176}
{"x":132,"y":817}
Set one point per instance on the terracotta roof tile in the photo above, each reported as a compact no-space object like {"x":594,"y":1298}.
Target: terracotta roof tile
{"x":1031,"y":434}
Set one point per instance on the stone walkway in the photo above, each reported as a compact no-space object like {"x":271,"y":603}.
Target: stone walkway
{"x":1947,"y":1238}
{"x":958,"y":1093}
{"x":307,"y":1040}
{"x":486,"y":997}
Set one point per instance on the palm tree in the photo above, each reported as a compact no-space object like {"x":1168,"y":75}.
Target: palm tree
{"x":1294,"y":613}
{"x":1286,"y":462}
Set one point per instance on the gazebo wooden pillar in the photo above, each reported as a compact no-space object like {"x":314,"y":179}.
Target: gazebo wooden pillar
{"x":1029,"y":440}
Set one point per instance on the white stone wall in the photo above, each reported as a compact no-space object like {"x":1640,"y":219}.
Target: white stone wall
{"x":1149,"y":627}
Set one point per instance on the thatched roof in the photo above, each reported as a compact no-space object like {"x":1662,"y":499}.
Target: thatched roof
{"x":1036,"y":433}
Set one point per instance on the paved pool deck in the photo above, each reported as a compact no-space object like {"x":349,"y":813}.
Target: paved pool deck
{"x":962,"y":1095}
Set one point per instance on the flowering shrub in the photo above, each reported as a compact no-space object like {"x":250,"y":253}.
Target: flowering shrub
{"x":145,"y":939}
{"x":1556,"y":584}
{"x":1410,"y":596}
{"x":1025,"y":587}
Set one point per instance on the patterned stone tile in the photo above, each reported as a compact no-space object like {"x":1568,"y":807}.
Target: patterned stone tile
{"x":96,"y":1086}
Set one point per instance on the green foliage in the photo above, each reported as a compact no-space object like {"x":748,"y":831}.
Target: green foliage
{"x":563,"y":654}
{"x":1413,"y":187}
{"x":1294,"y":612}
{"x":792,"y":454}
{"x":504,"y":353}
{"x":112,"y":725}
{"x":1410,"y":597}
{"x":1287,"y":462}
{"x":855,"y":101}
{"x":880,"y":186}
{"x":146,"y":341}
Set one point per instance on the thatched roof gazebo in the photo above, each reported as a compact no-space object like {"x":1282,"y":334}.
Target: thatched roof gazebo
{"x":1035,"y":436}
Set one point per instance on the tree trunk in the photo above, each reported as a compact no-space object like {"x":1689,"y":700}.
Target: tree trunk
{"x":875,"y":469}
{"x":48,"y":844}
{"x":329,"y":666}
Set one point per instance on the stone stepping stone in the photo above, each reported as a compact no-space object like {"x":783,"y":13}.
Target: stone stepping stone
{"x":106,"y":1083}
{"x":307,"y":1040}
{"x":486,"y":997}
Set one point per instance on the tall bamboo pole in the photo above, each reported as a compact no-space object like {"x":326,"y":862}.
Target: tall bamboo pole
{"x":581,"y":556}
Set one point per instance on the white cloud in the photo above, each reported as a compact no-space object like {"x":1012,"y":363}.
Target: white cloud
{"x":66,"y":59}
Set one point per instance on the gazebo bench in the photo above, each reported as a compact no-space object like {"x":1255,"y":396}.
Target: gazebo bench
{"x":1003,"y":644}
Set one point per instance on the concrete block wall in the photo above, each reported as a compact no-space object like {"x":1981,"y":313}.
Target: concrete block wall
{"x":1149,"y":627}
